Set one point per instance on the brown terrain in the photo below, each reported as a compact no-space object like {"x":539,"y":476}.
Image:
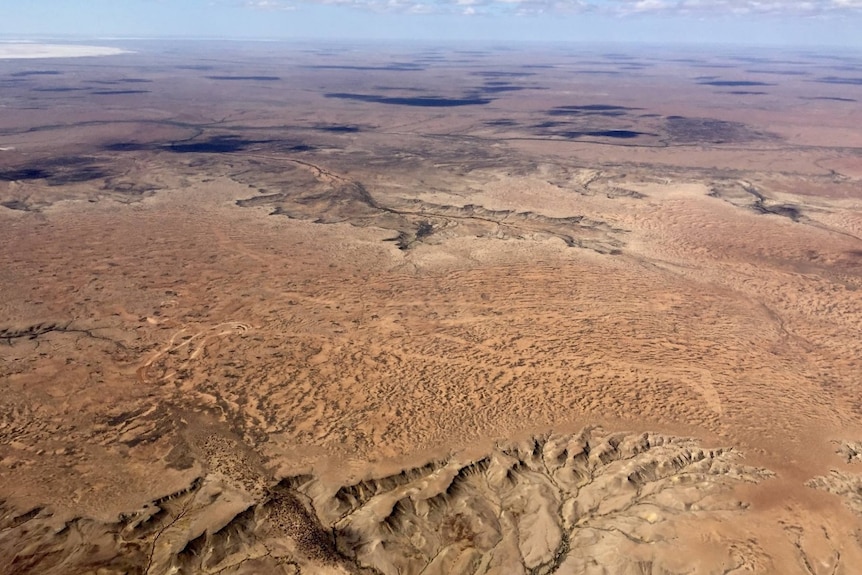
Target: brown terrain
{"x":275,"y":308}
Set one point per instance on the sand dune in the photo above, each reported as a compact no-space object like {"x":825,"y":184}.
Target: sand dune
{"x":269,"y":314}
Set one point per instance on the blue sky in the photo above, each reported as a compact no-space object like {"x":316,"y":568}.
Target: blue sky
{"x":810,"y":22}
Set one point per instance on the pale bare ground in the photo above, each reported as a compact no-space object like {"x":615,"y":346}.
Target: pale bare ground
{"x":513,"y":363}
{"x":28,"y":50}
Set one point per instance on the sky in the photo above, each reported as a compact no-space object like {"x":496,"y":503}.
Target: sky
{"x":747,"y":22}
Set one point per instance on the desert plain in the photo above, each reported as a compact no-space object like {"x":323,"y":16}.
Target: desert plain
{"x":285,"y":308}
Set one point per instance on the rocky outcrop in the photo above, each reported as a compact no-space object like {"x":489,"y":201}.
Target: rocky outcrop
{"x":550,"y":504}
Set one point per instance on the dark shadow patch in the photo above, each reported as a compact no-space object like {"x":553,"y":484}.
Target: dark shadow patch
{"x":214,"y":145}
{"x":607,"y":114}
{"x":339,"y":129}
{"x":405,"y":240}
{"x":595,"y":108}
{"x":502,"y":74}
{"x":121,"y":81}
{"x":126,"y":147}
{"x":743,"y":93}
{"x":832,"y":98}
{"x":76,"y":175}
{"x":616,"y":134}
{"x":781,"y":72}
{"x":571,"y":113}
{"x":786,"y":211}
{"x":591,"y":110}
{"x":58,"y":171}
{"x":396,"y":67}
{"x":429,"y":102}
{"x":264,"y":200}
{"x":501,"y":89}
{"x":734,"y":83}
{"x":621,"y":134}
{"x":401,"y":89}
{"x":824,"y":56}
{"x":245,"y":78}
{"x":591,"y":63}
{"x":846,"y":68}
{"x":59,"y":89}
{"x":23,"y":174}
{"x":17,"y":205}
{"x":780,"y":62}
{"x":28,"y":73}
{"x":287,"y":147}
{"x":749,"y":59}
{"x":551,"y":124}
{"x":118,"y":92}
{"x":839,"y":80}
{"x":598,"y":72}
{"x":761,"y":207}
{"x":501,"y":122}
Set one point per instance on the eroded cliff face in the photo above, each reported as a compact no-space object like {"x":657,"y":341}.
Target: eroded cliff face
{"x":558,"y":504}
{"x":589,"y":502}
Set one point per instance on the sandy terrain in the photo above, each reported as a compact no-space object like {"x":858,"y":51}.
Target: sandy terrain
{"x":271,"y":309}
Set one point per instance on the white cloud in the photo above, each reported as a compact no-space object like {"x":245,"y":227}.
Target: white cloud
{"x":719,"y":7}
{"x":269,"y":5}
{"x":649,"y":5}
{"x":614,"y":7}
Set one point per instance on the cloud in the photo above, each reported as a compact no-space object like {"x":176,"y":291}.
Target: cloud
{"x":276,"y":5}
{"x":610,"y":7}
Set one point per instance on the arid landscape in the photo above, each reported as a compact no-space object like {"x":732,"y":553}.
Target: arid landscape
{"x":283,"y":308}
